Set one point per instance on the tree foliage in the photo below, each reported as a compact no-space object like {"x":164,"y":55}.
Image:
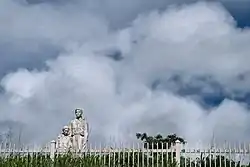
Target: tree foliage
{"x":158,"y":141}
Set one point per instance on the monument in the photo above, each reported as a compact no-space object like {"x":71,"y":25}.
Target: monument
{"x":79,"y":131}
{"x":63,"y":142}
{"x":75,"y":136}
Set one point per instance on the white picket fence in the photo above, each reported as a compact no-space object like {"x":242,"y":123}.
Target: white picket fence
{"x":139,"y":155}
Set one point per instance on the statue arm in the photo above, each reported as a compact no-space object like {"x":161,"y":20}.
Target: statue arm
{"x":71,"y":130}
{"x":85,"y":127}
{"x":85,"y":131}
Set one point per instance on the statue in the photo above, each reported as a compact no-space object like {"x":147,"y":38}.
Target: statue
{"x":79,"y":131}
{"x":64,"y":143}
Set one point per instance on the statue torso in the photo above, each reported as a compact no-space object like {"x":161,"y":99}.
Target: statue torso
{"x":77,"y":126}
{"x":64,"y":142}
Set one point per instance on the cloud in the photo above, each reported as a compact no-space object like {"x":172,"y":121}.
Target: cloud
{"x":31,"y":34}
{"x":34,"y":30}
{"x":175,"y":47}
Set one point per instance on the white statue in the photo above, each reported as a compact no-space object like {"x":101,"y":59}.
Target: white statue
{"x":79,"y":131}
{"x":64,"y":143}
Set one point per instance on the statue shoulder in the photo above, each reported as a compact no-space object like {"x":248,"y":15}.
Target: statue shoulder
{"x":73,"y":121}
{"x":59,"y":136}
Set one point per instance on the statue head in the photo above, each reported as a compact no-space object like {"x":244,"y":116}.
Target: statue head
{"x":78,"y":113}
{"x":65,"y":130}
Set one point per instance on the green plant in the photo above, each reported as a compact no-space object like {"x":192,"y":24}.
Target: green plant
{"x":113,"y":159}
{"x":158,"y":141}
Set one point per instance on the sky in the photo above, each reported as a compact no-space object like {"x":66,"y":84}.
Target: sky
{"x":155,"y":66}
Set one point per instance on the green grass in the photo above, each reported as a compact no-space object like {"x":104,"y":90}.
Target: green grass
{"x":123,"y":159}
{"x":72,"y":160}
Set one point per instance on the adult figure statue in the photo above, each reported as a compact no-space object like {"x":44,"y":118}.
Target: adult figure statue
{"x":79,"y":131}
{"x":63,"y":143}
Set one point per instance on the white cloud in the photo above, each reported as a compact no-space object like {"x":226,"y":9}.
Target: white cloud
{"x":193,"y":40}
{"x":19,"y":88}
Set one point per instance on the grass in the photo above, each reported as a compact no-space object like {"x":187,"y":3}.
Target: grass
{"x":122,"y":159}
{"x":72,"y":160}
